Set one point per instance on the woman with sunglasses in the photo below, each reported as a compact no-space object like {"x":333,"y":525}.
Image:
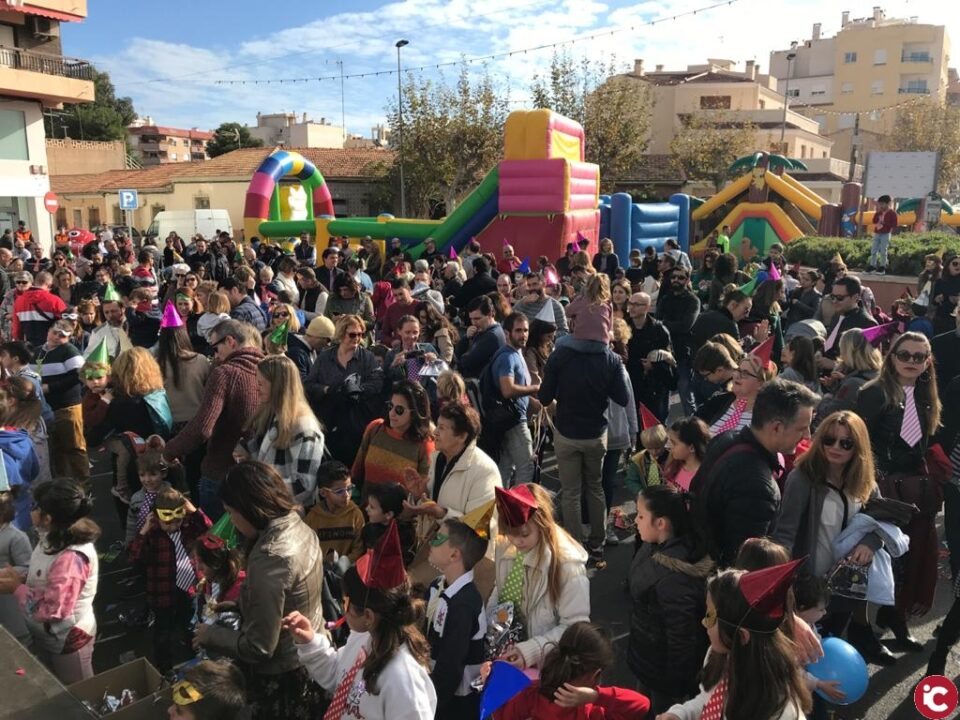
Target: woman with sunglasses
{"x":828,"y":485}
{"x":403,"y":440}
{"x":21,"y":283}
{"x":733,"y":409}
{"x":344,"y":388}
{"x":901,"y":409}
{"x":946,"y":294}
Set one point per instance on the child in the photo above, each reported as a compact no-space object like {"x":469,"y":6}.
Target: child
{"x":591,"y":317}
{"x":218,"y":569}
{"x":15,"y":552}
{"x":210,"y":690}
{"x":569,"y":679}
{"x":760,"y":678}
{"x":96,"y":378}
{"x":161,"y":548}
{"x":668,"y":580}
{"x":799,"y":358}
{"x":152,"y":469}
{"x":539,"y":568}
{"x":456,"y":622}
{"x":382,"y":670}
{"x":336,"y":518}
{"x":812,"y":597}
{"x":385,"y":503}
{"x":688,"y":438}
{"x":643,"y":470}
{"x":24,"y":443}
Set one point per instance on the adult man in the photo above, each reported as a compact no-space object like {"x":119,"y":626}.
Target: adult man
{"x":313,"y":295}
{"x":305,"y":252}
{"x":723,"y":239}
{"x":665,"y":265}
{"x":736,"y":307}
{"x":565,"y":264}
{"x":242,"y":306}
{"x":481,"y":283}
{"x":451,"y":280}
{"x":374,"y":258}
{"x":5,"y":257}
{"x":404,"y":305}
{"x":537,"y":305}
{"x":303,"y":349}
{"x":511,"y":381}
{"x":231,"y":397}
{"x":884,"y":223}
{"x":481,"y":340}
{"x":429,"y":250}
{"x":583,"y":385}
{"x":288,"y":281}
{"x":848,"y":313}
{"x":422,"y":290}
{"x":651,"y":379}
{"x":736,"y":495}
{"x":23,"y":233}
{"x":355,"y":270}
{"x":672,"y":248}
{"x":217,"y":268}
{"x":143,"y":274}
{"x":678,"y":310}
{"x":36,"y":310}
{"x":329,"y":272}
{"x":470,"y":253}
{"x":113,"y":331}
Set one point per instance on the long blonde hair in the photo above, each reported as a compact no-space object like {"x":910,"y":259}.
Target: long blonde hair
{"x":286,"y":404}
{"x":135,"y":373}
{"x":857,"y":353}
{"x":858,"y":475}
{"x":597,"y":289}
{"x":925,"y":395}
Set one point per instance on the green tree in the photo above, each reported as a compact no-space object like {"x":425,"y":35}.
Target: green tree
{"x":231,"y":136}
{"x":452,"y":136}
{"x":708,"y":143}
{"x":106,"y":118}
{"x":929,"y":126}
{"x":613,"y":108}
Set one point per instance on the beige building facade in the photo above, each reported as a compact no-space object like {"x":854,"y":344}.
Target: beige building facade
{"x":287,"y":130}
{"x":852,"y":83}
{"x":159,"y":145}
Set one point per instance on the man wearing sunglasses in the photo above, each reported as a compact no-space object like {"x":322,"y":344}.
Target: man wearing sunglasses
{"x":849,"y":313}
{"x":35,"y":311}
{"x":678,"y":310}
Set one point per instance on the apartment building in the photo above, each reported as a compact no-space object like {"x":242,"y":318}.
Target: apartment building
{"x":737,"y":97}
{"x":851,"y":83}
{"x":34,"y":76}
{"x":158,"y":145}
{"x":289,"y":130}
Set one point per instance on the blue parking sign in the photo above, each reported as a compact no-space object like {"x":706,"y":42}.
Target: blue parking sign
{"x":129,"y":200}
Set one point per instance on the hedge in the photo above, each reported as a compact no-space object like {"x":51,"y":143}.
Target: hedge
{"x":906,"y":253}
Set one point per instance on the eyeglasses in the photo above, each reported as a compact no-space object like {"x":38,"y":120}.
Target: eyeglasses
{"x":354,"y":335}
{"x":741,"y":373}
{"x":845,"y":443}
{"x":916,"y":358}
{"x":397,"y":410}
{"x":345,"y":490}
{"x":215,"y":344}
{"x":171,"y":515}
{"x":23,"y":282}
{"x":709,"y":619}
{"x":281,"y":314}
{"x":179,"y":276}
{"x":192,"y":279}
{"x":838,"y":298}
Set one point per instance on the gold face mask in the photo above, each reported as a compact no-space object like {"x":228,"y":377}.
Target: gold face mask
{"x":171,"y":515}
{"x":186,"y":693}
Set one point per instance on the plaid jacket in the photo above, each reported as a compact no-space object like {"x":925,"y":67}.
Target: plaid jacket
{"x":297,"y":464}
{"x":154,"y":553}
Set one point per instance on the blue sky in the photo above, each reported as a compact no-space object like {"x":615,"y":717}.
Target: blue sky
{"x":168,"y":55}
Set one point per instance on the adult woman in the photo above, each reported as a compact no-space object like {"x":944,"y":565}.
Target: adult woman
{"x":285,"y":433}
{"x":703,"y":278}
{"x":281,"y":313}
{"x":405,"y":361}
{"x":138,"y":401}
{"x":606,"y":261}
{"x":620,"y":291}
{"x":88,"y":316}
{"x":63,"y":285}
{"x":828,"y":485}
{"x":402,"y":441}
{"x":284,"y":574}
{"x":860,"y":363}
{"x":184,"y":373}
{"x":946,"y":294}
{"x":190,"y":310}
{"x":21,"y":283}
{"x":538,"y":348}
{"x":57,"y":593}
{"x":725,"y":273}
{"x":347,"y":299}
{"x":805,"y":299}
{"x":437,"y":330}
{"x":766,"y":307}
{"x":733,"y":410}
{"x":344,"y":388}
{"x":901,"y":409}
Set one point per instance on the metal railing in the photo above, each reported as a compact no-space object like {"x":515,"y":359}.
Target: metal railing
{"x":19,"y":59}
{"x":913,"y":91}
{"x":916,"y":58}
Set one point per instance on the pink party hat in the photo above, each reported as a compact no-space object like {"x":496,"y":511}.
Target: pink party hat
{"x":877,"y":333}
{"x":774,"y":272}
{"x":171,"y":318}
{"x":551,"y":277}
{"x":453,"y":253}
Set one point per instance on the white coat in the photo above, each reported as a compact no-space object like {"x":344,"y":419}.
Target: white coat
{"x":469,"y":485}
{"x":544,"y":620}
{"x":880,"y":577}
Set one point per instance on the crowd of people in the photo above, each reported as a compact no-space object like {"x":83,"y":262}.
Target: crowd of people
{"x":328,"y":470}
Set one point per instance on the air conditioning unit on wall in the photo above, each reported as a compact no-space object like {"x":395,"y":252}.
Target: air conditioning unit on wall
{"x":41,"y":27}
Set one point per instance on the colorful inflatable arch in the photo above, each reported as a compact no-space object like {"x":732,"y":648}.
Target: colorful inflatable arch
{"x":268,"y":213}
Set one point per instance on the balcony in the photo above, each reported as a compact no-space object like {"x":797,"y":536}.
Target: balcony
{"x":920,"y":57}
{"x":153,"y":146}
{"x":51,"y":79}
{"x":913,"y":91}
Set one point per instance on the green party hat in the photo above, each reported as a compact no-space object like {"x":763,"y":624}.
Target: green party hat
{"x":111,"y":294}
{"x":749,"y":287}
{"x":100,"y":354}
{"x":278,"y":336}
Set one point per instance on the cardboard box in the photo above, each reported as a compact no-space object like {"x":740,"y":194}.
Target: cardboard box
{"x":139,"y":676}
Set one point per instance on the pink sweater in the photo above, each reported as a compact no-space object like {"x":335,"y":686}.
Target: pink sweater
{"x":590,"y":321}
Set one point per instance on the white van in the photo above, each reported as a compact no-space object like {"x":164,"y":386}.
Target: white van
{"x":187,"y":223}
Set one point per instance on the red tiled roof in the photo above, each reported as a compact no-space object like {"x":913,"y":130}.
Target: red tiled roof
{"x":333,"y":163}
{"x":170,"y":132}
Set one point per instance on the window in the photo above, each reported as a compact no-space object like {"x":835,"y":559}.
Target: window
{"x":880,"y":56}
{"x":823,"y":154}
{"x":818,"y":90}
{"x":846,"y":88}
{"x":917,"y":87}
{"x":803,"y":151}
{"x":714,"y":102}
{"x":93,"y":215}
{"x":118,"y":215}
{"x":876,"y":87}
{"x":793,"y":92}
{"x":13,"y":135}
{"x":173,"y":156}
{"x":154,"y":209}
{"x":846,"y":121}
{"x":78,"y":218}
{"x":763,"y":104}
{"x":61,"y":217}
{"x":850,"y":57}
{"x":821,"y":120}
{"x":201,"y":202}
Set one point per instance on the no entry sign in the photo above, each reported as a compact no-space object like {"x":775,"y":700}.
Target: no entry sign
{"x":51,"y":202}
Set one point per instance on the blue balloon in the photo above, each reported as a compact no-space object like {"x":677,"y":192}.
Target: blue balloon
{"x":843,"y":663}
{"x":505,"y":682}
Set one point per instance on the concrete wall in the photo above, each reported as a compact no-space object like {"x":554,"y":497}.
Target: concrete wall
{"x":22,"y":191}
{"x":78,"y":157}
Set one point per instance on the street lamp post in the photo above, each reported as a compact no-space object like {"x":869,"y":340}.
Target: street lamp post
{"x":786,"y":100}
{"x":403,"y":194}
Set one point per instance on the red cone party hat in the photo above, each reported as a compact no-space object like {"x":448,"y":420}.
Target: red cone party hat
{"x":766,"y":590}
{"x":381,"y":568}
{"x":647,"y":418}
{"x":514,"y":507}
{"x":762,"y":352}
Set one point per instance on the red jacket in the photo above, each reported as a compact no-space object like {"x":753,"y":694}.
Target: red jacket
{"x":884,"y":222}
{"x":34,"y":312}
{"x":613,"y":704}
{"x":155,"y":554}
